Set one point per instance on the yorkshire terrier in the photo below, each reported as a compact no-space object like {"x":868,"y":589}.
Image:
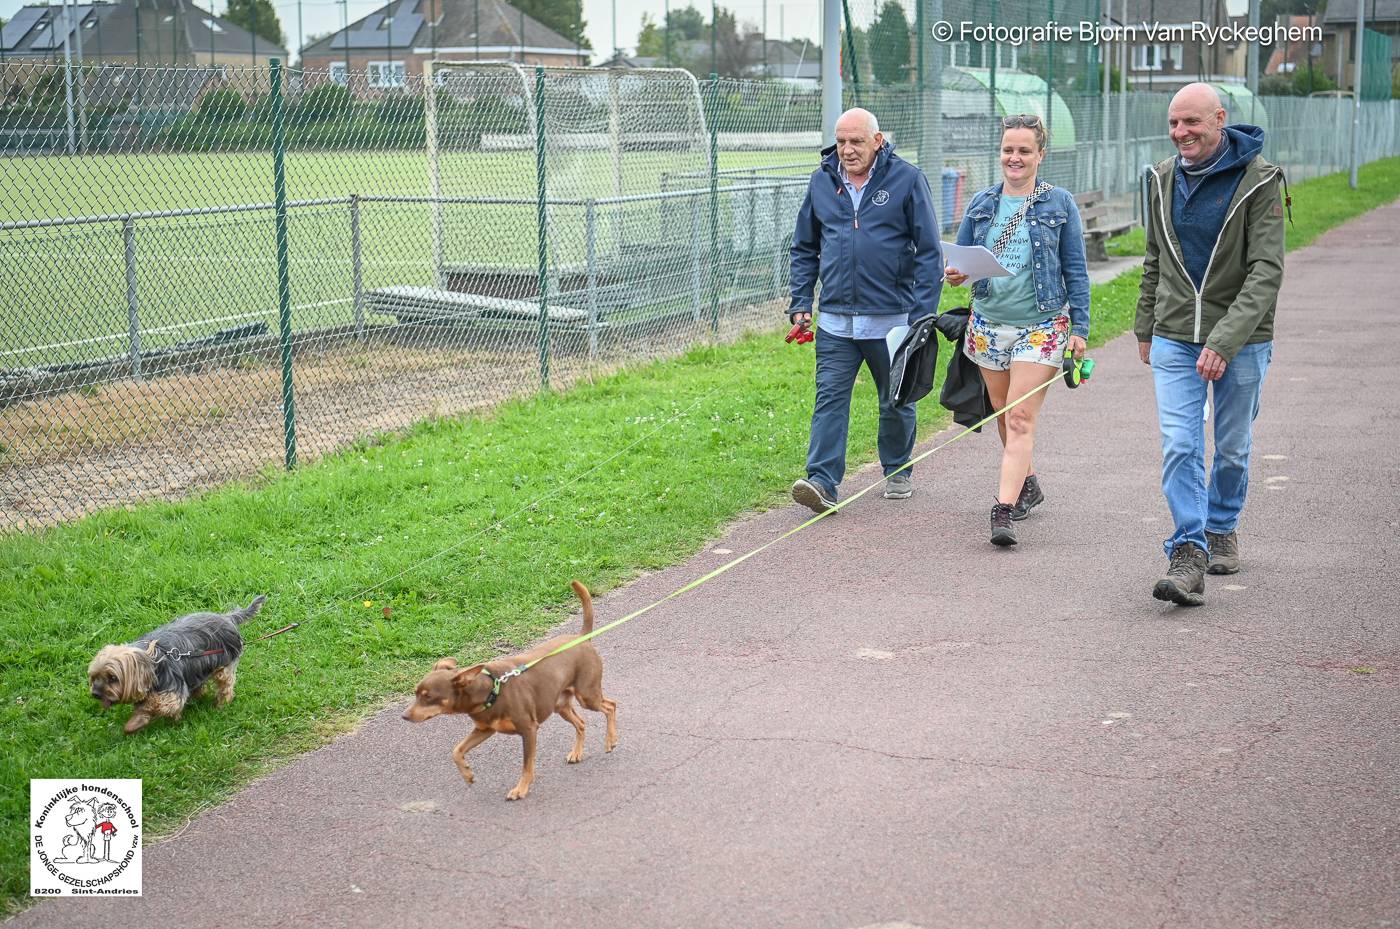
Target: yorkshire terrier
{"x":161,"y":671}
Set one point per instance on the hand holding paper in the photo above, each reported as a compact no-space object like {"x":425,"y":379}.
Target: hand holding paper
{"x":973,"y":261}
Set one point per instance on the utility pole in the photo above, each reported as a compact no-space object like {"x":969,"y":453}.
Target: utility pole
{"x":68,"y":79}
{"x":1252,"y":61}
{"x":714,"y":38}
{"x":82,"y":80}
{"x":1356,"y":94}
{"x":1103,"y":119}
{"x":831,"y":69}
{"x":345,"y":38}
{"x":1123,"y":96}
{"x":763,"y":37}
{"x":666,"y":32}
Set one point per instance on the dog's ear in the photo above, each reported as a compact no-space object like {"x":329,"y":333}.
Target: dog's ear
{"x":466,"y":674}
{"x":445,"y":664}
{"x":151,"y":648}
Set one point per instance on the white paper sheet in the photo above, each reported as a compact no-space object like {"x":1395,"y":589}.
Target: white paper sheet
{"x":894,"y":337}
{"x":976,"y":261}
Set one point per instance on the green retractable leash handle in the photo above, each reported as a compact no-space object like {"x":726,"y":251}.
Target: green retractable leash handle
{"x":1076,"y":372}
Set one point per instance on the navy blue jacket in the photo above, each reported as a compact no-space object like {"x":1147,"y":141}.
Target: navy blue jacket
{"x":1197,"y":215}
{"x":885,"y":261}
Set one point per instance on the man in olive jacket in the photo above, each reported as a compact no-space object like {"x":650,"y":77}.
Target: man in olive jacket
{"x":1205,"y":321}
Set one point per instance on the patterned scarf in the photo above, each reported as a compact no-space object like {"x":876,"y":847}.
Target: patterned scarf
{"x":1004,"y":239}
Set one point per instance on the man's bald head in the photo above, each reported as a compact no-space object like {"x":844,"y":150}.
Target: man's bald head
{"x":859,"y":118}
{"x":858,"y":141}
{"x":1198,"y":95}
{"x":1196,"y":121}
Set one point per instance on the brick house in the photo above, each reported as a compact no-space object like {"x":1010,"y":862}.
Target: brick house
{"x":394,"y":41}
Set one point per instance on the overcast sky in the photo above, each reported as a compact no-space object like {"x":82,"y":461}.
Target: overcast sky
{"x":786,"y":18}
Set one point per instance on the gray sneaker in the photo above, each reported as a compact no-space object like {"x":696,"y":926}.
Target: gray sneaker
{"x":900,"y":486}
{"x":812,"y":495}
{"x":1185,"y":583}
{"x":1224,"y":553}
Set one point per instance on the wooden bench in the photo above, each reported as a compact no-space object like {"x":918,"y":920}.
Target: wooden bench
{"x":1094,"y":214}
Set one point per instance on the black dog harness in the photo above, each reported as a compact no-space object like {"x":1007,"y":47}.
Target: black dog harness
{"x":498,"y":682}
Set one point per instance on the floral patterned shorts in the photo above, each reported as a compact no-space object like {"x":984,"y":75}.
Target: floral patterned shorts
{"x":992,"y":345}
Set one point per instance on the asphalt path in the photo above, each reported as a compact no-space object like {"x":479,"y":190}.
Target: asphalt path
{"x":885,"y":721}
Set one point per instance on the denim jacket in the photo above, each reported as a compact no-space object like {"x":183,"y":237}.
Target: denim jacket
{"x":1061,"y":272}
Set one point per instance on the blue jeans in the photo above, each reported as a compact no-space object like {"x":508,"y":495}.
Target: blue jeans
{"x":1181,"y":400}
{"x":838,"y":362}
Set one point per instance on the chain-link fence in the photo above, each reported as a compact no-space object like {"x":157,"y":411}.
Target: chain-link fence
{"x":210,"y":271}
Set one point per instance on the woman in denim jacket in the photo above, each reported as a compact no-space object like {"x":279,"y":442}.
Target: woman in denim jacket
{"x":1021,"y":325}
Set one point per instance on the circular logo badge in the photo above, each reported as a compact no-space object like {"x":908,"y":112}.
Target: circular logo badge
{"x":86,"y":837}
{"x":881,"y":197}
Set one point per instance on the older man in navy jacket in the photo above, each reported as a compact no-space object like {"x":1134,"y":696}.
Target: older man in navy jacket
{"x":868,"y":230}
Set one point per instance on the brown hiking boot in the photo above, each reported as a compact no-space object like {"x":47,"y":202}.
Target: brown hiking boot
{"x":1185,"y":583}
{"x":1224,"y":553}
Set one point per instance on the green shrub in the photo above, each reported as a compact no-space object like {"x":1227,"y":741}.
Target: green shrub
{"x":328,"y":101}
{"x":223,"y":105}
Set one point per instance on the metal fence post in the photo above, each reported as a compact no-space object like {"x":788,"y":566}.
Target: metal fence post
{"x":695,"y":256}
{"x":590,"y":235}
{"x":777,"y":241}
{"x":133,"y":316}
{"x":357,"y":266}
{"x":542,"y":220}
{"x":714,"y":204}
{"x":284,"y":288}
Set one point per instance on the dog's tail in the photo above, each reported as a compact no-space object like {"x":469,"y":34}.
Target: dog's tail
{"x":587,"y":602}
{"x":248,"y":612}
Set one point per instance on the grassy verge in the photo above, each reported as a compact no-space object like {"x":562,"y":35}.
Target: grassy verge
{"x":1318,"y":204}
{"x":632,"y":473}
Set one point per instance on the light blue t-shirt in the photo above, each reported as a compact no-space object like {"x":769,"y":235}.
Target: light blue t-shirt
{"x":1012,"y":300}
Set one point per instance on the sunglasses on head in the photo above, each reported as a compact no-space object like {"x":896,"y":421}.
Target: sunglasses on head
{"x":1021,"y":120}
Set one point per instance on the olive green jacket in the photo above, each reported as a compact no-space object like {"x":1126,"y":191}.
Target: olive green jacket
{"x":1235,"y":305}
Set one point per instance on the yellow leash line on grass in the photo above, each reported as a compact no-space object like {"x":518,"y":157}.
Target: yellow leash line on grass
{"x":786,"y":535}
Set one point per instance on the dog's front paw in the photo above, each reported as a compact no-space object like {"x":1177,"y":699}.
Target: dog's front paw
{"x":574,"y":757}
{"x":517,"y":793}
{"x":467,"y":775}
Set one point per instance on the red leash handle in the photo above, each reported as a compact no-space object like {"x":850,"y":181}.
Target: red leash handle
{"x":799,"y":333}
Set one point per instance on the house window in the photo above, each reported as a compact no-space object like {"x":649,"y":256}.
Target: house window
{"x":387,"y":74}
{"x":213,"y":26}
{"x":1148,"y":57}
{"x":338,"y":74}
{"x":978,"y":55}
{"x":1157,"y":57}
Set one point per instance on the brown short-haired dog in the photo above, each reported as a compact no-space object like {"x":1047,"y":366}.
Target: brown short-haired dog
{"x":497,"y":702}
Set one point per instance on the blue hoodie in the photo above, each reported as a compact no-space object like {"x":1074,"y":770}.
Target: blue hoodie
{"x":884,"y":262}
{"x":1199,"y":204}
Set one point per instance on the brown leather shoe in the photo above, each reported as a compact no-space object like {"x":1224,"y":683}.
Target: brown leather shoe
{"x":1185,"y":583}
{"x":1224,"y":553}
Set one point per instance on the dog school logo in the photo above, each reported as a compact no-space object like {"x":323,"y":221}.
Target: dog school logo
{"x":85,"y":837}
{"x":881,"y":197}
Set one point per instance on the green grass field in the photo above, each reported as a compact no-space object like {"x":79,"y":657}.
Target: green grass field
{"x":468,"y":529}
{"x":198,"y":274}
